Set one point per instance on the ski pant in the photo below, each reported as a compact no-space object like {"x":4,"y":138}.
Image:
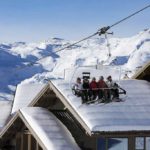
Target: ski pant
{"x":103,"y":94}
{"x":86,"y":96}
{"x":93,"y":94}
{"x":114,"y":93}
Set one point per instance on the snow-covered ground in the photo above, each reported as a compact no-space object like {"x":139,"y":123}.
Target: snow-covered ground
{"x":129,"y":53}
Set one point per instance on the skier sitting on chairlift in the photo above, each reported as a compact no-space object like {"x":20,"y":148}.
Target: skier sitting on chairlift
{"x":113,"y":89}
{"x":93,"y":88}
{"x":102,"y":89}
{"x":86,"y":91}
{"x":77,"y":87}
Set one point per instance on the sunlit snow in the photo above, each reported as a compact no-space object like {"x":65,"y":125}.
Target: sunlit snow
{"x":129,"y":53}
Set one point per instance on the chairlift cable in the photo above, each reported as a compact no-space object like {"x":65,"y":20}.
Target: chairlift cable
{"x":32,"y":63}
{"x":100,"y":32}
{"x":76,"y":42}
{"x":118,"y":22}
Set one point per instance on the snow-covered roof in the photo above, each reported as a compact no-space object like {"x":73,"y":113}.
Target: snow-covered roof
{"x":26,"y":93}
{"x":130,"y":115}
{"x":47,"y":129}
{"x":5,"y":109}
{"x":145,"y":69}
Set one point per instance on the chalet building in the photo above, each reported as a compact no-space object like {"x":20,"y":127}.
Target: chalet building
{"x":143,"y":73}
{"x":50,"y":117}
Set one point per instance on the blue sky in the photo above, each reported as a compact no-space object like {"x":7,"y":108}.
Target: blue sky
{"x":38,"y":20}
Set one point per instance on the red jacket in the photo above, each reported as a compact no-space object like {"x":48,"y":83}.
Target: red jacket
{"x":93,"y":85}
{"x":102,"y":84}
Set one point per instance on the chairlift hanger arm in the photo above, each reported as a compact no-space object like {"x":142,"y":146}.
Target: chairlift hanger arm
{"x":99,"y":32}
{"x":105,"y":29}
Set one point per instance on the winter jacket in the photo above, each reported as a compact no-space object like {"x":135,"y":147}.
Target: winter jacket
{"x":110,"y":84}
{"x":93,"y":85}
{"x":86,"y":85}
{"x":78,"y":86}
{"x":102,"y":84}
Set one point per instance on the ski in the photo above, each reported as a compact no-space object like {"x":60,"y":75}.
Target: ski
{"x":95,"y":100}
{"x":104,"y":101}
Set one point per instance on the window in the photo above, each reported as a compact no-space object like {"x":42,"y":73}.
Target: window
{"x":139,"y":143}
{"x":112,"y":144}
{"x":147,"y":143}
{"x":117,"y":144}
{"x":101,"y":144}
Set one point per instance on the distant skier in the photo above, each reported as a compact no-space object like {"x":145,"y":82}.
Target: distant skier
{"x":126,"y":76}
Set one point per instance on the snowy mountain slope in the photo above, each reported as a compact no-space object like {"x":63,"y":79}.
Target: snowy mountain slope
{"x":130,"y":53}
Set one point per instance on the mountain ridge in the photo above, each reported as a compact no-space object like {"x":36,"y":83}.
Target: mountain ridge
{"x":129,"y":53}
